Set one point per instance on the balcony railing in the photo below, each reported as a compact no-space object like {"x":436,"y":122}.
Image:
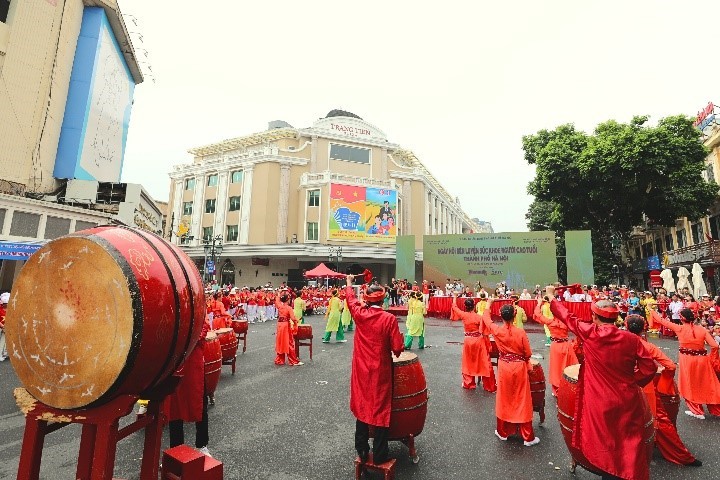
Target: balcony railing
{"x":309,"y":179}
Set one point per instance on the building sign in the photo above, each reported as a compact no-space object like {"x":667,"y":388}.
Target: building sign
{"x":147,"y":219}
{"x":97,"y":113}
{"x":263,"y":262}
{"x":702,"y":253}
{"x":705,"y":117}
{"x":362,"y":214}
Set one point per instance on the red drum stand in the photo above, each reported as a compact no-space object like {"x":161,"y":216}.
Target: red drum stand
{"x":100,"y":434}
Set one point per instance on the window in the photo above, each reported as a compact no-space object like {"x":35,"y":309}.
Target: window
{"x":232,"y":233}
{"x":658,"y":246}
{"x":234,"y":204}
{"x":715,"y":227}
{"x":681,"y":238}
{"x":637,"y":253}
{"x":312,"y":232}
{"x":313,"y":198}
{"x":669,"y":242}
{"x":697,"y":233}
{"x":207,"y":233}
{"x":185,"y":240}
{"x":56,"y":227}
{"x":237,"y":177}
{"x":190,"y":184}
{"x":4,"y":8}
{"x":647,"y":250}
{"x":212,"y":180}
{"x":84,"y":225}
{"x":187,"y":208}
{"x":210,"y":205}
{"x":349,"y":154}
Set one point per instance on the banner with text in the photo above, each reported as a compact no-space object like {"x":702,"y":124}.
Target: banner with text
{"x":362,"y":214}
{"x":405,"y":257}
{"x":521,"y":259}
{"x":579,"y":257}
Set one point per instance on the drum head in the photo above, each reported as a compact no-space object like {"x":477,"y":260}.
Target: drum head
{"x":211,"y":336}
{"x":70,"y":323}
{"x":404,"y":358}
{"x":572,"y":372}
{"x":534,"y":362}
{"x":223,"y":331}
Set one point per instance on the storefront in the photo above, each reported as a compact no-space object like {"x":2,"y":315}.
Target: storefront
{"x":706,"y":255}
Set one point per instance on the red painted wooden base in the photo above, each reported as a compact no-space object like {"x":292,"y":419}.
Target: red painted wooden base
{"x":305,"y":342}
{"x":387,"y":468}
{"x":185,"y":463}
{"x":100,"y":433}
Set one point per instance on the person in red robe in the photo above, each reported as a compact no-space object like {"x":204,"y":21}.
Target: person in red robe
{"x":377,"y":334}
{"x":698,"y":383}
{"x":188,"y":403}
{"x":286,"y":329}
{"x":667,"y":440}
{"x":610,"y":411}
{"x":475,"y":354}
{"x":562,"y":351}
{"x":513,"y":403}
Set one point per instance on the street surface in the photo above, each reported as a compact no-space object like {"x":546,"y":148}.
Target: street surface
{"x":283,"y":423}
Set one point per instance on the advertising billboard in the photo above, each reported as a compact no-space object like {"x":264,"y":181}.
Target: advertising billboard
{"x":521,"y":259}
{"x":362,"y":214}
{"x":405,"y":257}
{"x":579,"y":257}
{"x":97,"y":112}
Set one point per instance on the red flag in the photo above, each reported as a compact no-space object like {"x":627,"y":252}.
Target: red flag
{"x":367,"y":276}
{"x":347,"y":193}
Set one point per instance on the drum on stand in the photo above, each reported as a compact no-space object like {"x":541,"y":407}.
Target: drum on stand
{"x":240,"y":326}
{"x":213,"y":363}
{"x":228,"y":343}
{"x":101,"y":313}
{"x":567,"y":393}
{"x":537,"y":388}
{"x":409,"y":402}
{"x":304,"y":331}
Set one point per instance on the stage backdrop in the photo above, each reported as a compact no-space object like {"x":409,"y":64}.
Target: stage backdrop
{"x":405,"y":257}
{"x":522,"y":259}
{"x":578,"y":253}
{"x":362,"y":214}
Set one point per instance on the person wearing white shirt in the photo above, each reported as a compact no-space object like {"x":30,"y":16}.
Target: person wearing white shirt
{"x":525,"y":295}
{"x":567,"y":296}
{"x":674,"y":307}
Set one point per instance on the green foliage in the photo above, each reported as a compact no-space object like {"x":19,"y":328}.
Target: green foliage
{"x":611,"y":180}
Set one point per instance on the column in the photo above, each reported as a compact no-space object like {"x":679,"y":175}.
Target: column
{"x":283,"y":203}
{"x":433,"y":212}
{"x":198,"y":208}
{"x":426,"y":215}
{"x":313,"y":154}
{"x":244,"y":228}
{"x":221,"y":203}
{"x":383,"y":163}
{"x":176,"y":207}
{"x":407,"y":208}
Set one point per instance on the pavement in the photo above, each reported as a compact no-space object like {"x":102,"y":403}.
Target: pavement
{"x":290,"y":423}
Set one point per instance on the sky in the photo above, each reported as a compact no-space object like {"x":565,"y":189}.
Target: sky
{"x":457,"y":82}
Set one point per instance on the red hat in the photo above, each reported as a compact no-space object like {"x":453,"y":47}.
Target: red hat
{"x":374,"y":297}
{"x":610,"y":312}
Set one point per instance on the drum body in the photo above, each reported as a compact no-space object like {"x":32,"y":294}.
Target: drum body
{"x":228,"y":343}
{"x":410,"y":397}
{"x":537,"y":386}
{"x":213,"y":363}
{"x":240,"y":326}
{"x":100,"y":313}
{"x":304,"y":332}
{"x":566,"y":396}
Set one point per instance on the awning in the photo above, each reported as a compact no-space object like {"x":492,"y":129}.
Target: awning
{"x":18,"y":250}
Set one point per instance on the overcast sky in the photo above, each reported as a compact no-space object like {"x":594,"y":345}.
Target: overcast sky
{"x":458,"y":83}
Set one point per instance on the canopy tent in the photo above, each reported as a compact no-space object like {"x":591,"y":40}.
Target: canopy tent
{"x":321,"y":271}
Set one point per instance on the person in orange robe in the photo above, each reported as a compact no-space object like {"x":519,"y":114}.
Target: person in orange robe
{"x":513,"y":404}
{"x":698,"y":383}
{"x":667,"y":439}
{"x":286,"y":329}
{"x":562,"y":351}
{"x":475,"y":355}
{"x":610,"y":405}
{"x":220,"y":318}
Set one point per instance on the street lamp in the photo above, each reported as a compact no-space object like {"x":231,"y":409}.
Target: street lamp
{"x":335,"y":255}
{"x":213,"y":247}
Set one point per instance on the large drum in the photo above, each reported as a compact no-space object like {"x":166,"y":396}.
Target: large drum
{"x":240,"y":326}
{"x":100,"y":313}
{"x":228,"y":343}
{"x":537,"y":388}
{"x":304,"y":332}
{"x":410,"y":397}
{"x":567,"y":393}
{"x":213,"y":363}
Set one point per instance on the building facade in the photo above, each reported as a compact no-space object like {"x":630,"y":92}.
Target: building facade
{"x":652,"y":248}
{"x":282,"y":200}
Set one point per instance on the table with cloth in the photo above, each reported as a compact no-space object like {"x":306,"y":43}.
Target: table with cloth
{"x":439,"y":307}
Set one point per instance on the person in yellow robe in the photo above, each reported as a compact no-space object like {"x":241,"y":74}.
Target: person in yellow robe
{"x":346,"y":317}
{"x":333,"y":320}
{"x":520,"y":315}
{"x":299,"y":309}
{"x":415,"y":321}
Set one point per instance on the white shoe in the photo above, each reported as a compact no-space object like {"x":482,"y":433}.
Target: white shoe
{"x":342,"y":341}
{"x":205,"y":451}
{"x":499,"y":436}
{"x":2,"y":359}
{"x":298,"y":364}
{"x":699,"y":417}
{"x":142,"y":410}
{"x":535,"y":441}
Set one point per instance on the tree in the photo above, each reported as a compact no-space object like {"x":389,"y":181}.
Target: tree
{"x":621,"y":175}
